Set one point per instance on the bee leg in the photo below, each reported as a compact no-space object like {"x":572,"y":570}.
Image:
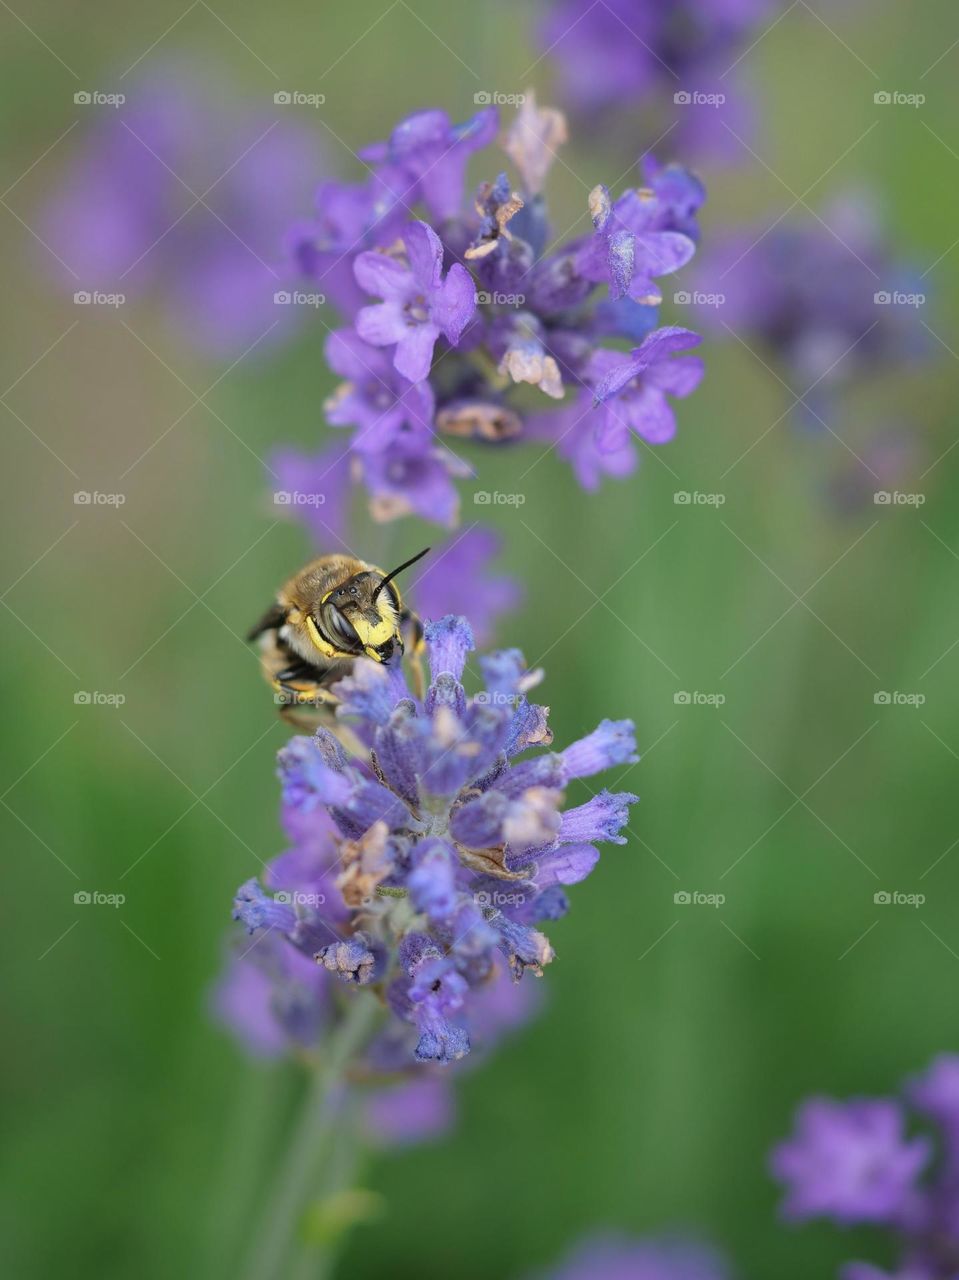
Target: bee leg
{"x":297,"y":685}
{"x":415,"y":648}
{"x":416,"y":673}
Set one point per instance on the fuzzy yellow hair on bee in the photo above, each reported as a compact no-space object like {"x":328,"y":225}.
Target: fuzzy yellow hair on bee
{"x":335,"y":610}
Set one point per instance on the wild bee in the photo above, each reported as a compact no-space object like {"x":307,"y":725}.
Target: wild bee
{"x":335,"y":610}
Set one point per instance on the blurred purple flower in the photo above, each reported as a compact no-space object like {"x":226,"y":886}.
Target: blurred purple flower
{"x":825,"y":305}
{"x":614,"y":1257}
{"x":854,"y":1163}
{"x":431,"y":154}
{"x":187,"y":194}
{"x":623,"y":54}
{"x":457,"y":579}
{"x":414,"y":1111}
{"x":850,"y":1161}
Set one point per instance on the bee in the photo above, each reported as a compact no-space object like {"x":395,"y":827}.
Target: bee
{"x":335,"y":610}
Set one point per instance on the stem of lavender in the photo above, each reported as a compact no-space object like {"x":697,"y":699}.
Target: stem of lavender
{"x":298,"y":1174}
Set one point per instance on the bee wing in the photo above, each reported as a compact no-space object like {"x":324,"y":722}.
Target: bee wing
{"x":271,"y":620}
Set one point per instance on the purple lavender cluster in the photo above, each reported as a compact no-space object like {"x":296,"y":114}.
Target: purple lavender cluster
{"x":646,"y":53}
{"x":463,"y":323}
{"x":862,"y":1162}
{"x":425,"y":860}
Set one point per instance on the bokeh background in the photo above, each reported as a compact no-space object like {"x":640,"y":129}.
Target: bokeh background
{"x":674,"y":1039}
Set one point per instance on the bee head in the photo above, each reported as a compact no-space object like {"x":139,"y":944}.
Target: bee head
{"x":362,"y":615}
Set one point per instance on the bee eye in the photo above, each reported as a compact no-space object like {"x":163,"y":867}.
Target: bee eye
{"x":339,"y":628}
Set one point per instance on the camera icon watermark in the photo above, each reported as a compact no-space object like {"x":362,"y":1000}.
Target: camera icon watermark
{"x":897,"y":298}
{"x":895,"y":898}
{"x":297,"y":298}
{"x":94,"y":298}
{"x":86,"y":498}
{"x":695,"y":98}
{"x":897,"y":698}
{"x":295,"y":498}
{"x":297,"y":98}
{"x":486,"y":498}
{"x":494,"y":98}
{"x":897,"y":498}
{"x":496,"y":698}
{"x":96,"y":98}
{"x":696,"y":698}
{"x":896,"y":98}
{"x":687,"y":498}
{"x":94,"y":698}
{"x":294,"y":898}
{"x":495,"y":899}
{"x":94,"y":898}
{"x":696,"y":898}
{"x":487,"y":299}
{"x":696,"y":298}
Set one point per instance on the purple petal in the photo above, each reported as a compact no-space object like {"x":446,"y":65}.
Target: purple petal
{"x":425,"y":254}
{"x":455,"y":304}
{"x":382,"y":276}
{"x":414,"y":350}
{"x":382,"y":325}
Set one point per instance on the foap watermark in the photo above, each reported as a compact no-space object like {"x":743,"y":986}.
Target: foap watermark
{"x":685,"y":498}
{"x":295,"y":498}
{"x":484,"y":498}
{"x":897,"y":698}
{"x":896,"y":498}
{"x":297,"y":298}
{"x":696,"y":298}
{"x":897,"y":298}
{"x":94,"y":898}
{"x":895,"y":898}
{"x":94,"y":298}
{"x":484,"y":299}
{"x":696,"y":98}
{"x":297,"y":98}
{"x":97,"y":98}
{"x":94,"y":698}
{"x":897,"y":98}
{"x":84,"y":498}
{"x":294,"y":898}
{"x":494,"y":98}
{"x":696,"y":698}
{"x":498,"y":898}
{"x":497,"y":699}
{"x":696,"y":898}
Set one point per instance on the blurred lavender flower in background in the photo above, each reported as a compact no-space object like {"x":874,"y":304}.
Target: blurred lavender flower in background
{"x":825,"y":306}
{"x":480,"y":316}
{"x":614,"y":1257}
{"x":622,"y":55}
{"x":855,"y":1163}
{"x":423,"y":862}
{"x":185,"y":194}
{"x":457,"y":579}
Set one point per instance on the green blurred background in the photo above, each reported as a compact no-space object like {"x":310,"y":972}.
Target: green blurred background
{"x":675,"y":1040}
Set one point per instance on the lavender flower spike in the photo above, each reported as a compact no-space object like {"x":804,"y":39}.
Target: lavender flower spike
{"x":451,"y":850}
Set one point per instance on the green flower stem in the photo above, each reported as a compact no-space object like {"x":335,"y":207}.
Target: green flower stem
{"x":299,"y":1172}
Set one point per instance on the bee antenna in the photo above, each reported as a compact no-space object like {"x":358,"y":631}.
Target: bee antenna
{"x":399,"y":569}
